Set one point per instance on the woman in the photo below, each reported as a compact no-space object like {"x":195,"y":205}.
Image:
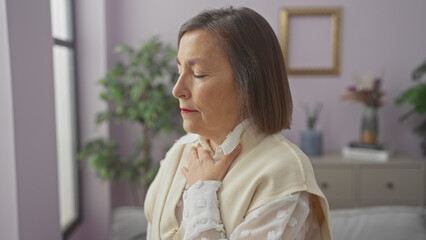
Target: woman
{"x":233,"y":176}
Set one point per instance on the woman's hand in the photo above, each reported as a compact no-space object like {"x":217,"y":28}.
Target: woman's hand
{"x":202,"y":167}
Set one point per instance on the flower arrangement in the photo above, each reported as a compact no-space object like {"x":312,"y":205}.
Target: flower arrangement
{"x":366,"y":91}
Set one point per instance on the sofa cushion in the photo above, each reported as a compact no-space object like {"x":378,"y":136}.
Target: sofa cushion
{"x":384,"y":222}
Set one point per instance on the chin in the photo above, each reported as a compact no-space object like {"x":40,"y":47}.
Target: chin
{"x":189,"y":127}
{"x":193,"y":127}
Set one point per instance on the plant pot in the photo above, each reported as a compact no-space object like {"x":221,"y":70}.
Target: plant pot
{"x":311,"y":142}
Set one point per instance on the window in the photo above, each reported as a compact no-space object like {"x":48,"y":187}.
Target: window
{"x":65,"y":110}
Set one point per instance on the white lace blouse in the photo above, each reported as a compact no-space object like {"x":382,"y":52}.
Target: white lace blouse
{"x":288,"y":218}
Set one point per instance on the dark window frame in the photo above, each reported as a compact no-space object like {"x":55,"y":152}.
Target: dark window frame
{"x":71,"y":44}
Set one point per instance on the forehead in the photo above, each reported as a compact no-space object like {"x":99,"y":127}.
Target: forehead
{"x":198,"y":47}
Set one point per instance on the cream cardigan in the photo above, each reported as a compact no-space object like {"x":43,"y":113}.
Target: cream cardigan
{"x":268,"y":168}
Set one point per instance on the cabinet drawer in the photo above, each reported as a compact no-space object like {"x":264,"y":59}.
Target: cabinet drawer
{"x":390,"y":186}
{"x":337,"y":184}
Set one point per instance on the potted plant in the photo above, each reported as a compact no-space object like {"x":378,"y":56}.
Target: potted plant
{"x":135,"y":90}
{"x":416,"y":97}
{"x":311,"y":139}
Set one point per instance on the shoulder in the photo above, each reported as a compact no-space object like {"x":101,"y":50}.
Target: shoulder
{"x":283,"y":155}
{"x":278,"y":143}
{"x":270,"y":170}
{"x":284,"y":166}
{"x":274,"y":165}
{"x":273,"y":160}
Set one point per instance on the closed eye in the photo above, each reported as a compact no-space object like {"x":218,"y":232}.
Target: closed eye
{"x":199,"y":76}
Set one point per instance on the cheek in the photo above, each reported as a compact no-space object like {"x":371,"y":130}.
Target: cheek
{"x":217,"y":101}
{"x":206,"y":99}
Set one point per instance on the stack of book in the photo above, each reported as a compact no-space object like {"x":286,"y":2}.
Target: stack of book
{"x":359,"y":151}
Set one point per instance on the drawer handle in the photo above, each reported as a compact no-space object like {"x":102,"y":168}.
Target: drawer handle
{"x":324,"y":185}
{"x":390,"y":185}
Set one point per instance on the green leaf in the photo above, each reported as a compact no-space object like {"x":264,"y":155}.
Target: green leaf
{"x":150,"y":175}
{"x":121,"y":49}
{"x":419,"y":71}
{"x":408,"y":94}
{"x":416,"y":97}
{"x":117,"y":94}
{"x":102,"y":116}
{"x":136,"y":92}
{"x":103,"y":96}
{"x":103,"y":81}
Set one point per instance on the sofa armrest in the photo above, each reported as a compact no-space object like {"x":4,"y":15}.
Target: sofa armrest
{"x":128,"y":223}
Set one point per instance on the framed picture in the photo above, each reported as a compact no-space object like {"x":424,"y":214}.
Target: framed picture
{"x":310,"y":40}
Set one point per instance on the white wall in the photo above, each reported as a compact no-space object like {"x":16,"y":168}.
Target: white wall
{"x":8,"y":187}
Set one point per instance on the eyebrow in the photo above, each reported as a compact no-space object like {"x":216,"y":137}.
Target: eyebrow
{"x":192,"y":61}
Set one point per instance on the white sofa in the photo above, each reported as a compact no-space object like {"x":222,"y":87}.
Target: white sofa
{"x":128,"y":223}
{"x":377,"y":223}
{"x":371,"y":223}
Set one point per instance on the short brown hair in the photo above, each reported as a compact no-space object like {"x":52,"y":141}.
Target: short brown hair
{"x":257,"y":62}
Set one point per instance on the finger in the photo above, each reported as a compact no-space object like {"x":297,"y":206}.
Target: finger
{"x":193,"y":151}
{"x":192,"y":155}
{"x":185,"y":172}
{"x":226,"y":161}
{"x":204,"y":154}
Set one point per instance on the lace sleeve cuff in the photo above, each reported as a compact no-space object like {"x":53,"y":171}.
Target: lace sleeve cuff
{"x":201,"y":209}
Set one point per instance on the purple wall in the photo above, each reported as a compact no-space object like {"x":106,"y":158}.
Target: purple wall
{"x":91,"y":66}
{"x":374,"y":40}
{"x":30,"y":158}
{"x":378,"y":37}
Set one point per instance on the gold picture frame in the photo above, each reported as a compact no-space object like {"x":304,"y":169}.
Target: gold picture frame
{"x":333,"y":17}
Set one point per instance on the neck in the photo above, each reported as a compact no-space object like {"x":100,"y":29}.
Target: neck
{"x":213,"y":144}
{"x":215,"y":141}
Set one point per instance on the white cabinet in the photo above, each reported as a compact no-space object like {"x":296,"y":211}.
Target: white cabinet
{"x":350,"y":183}
{"x":338,"y":185}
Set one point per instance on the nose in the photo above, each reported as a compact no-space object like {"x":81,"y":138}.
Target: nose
{"x":180,"y":90}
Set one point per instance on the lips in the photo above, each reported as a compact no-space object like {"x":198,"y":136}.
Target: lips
{"x":186,"y":110}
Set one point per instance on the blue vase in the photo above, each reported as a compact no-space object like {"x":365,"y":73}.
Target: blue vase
{"x":311,"y":142}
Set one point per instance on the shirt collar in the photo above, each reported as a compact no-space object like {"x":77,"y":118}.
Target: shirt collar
{"x":231,"y":141}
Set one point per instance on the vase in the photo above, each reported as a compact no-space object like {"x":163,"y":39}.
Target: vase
{"x":369,"y":125}
{"x":311,"y":142}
